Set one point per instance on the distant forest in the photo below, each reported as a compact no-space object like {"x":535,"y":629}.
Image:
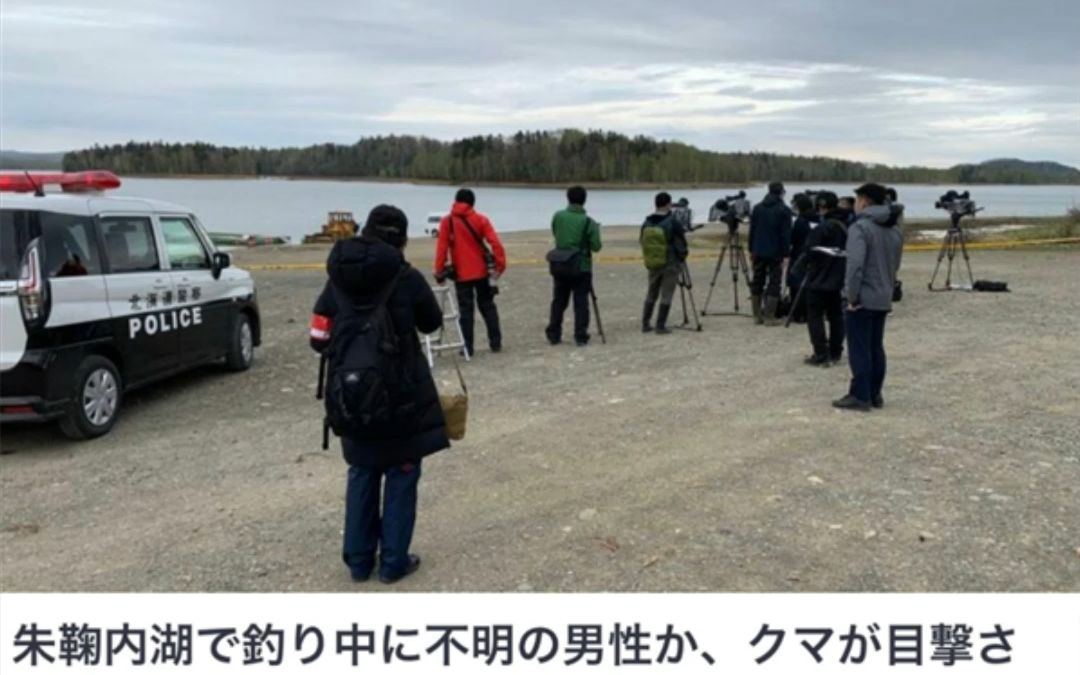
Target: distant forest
{"x":558,"y":157}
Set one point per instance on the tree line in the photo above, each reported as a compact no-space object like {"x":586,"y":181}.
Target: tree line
{"x":552,"y":157}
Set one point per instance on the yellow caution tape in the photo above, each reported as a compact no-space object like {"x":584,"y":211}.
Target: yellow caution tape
{"x":613,"y":259}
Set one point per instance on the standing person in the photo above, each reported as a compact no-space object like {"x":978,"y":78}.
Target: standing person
{"x":805,"y":220}
{"x":770,"y":246}
{"x":574,"y":230}
{"x":465,"y":234}
{"x":824,"y":280}
{"x":364,"y":271}
{"x":664,"y":247}
{"x":874,"y":246}
{"x":847,"y":207}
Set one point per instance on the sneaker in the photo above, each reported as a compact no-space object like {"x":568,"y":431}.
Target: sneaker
{"x":414,"y":564}
{"x":663,"y":330}
{"x":878,"y":402}
{"x":819,"y":361}
{"x":579,"y":343}
{"x":646,"y":328}
{"x":495,"y":349}
{"x":851,"y":403}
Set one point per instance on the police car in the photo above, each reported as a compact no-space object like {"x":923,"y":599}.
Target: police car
{"x":102,"y":294}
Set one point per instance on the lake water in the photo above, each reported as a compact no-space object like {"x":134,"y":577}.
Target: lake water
{"x":297,"y":207}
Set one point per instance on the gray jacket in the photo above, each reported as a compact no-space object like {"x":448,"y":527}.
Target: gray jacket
{"x":874,"y":246}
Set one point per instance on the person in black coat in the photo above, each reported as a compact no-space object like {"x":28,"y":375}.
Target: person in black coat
{"x":770,"y":246}
{"x":824,"y":281}
{"x":805,"y":221}
{"x":359,"y":270}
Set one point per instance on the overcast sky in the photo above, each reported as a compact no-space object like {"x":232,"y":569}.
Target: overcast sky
{"x":914,"y":82}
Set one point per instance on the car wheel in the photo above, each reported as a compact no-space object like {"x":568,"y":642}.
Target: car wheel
{"x":242,"y":347}
{"x":97,"y":393}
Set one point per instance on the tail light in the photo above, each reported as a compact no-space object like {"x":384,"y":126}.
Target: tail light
{"x":33,"y":287}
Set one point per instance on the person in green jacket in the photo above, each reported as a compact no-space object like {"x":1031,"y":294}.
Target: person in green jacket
{"x":574,"y":230}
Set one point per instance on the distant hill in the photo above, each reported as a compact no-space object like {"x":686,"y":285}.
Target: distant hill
{"x":543,"y":158}
{"x":13,"y":159}
{"x":1016,"y":171}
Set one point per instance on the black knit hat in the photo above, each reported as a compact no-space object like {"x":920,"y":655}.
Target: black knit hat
{"x":776,"y":188}
{"x":389,"y":224}
{"x":873,"y":191}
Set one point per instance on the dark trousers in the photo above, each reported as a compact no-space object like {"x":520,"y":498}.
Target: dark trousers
{"x":578,"y":287}
{"x":767,"y":273}
{"x":662,"y":284}
{"x":866,"y":352}
{"x":472,"y":294}
{"x":822,"y":305}
{"x":366,"y":531}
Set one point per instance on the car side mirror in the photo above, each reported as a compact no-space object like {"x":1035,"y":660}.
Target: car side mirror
{"x":219,"y":261}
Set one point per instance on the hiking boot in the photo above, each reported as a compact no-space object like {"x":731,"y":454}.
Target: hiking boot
{"x":769,"y":311}
{"x":414,"y":564}
{"x":661,"y":320}
{"x":849,"y":402}
{"x":646,"y":316}
{"x":755,"y":307}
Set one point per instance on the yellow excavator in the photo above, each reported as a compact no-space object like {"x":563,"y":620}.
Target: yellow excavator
{"x":339,"y":225}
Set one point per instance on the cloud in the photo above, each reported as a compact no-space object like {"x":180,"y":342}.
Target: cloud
{"x":921,"y":82}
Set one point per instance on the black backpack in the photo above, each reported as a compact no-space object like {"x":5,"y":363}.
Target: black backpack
{"x":370,"y":388}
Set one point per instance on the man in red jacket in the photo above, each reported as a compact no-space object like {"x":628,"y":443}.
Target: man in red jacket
{"x":466,"y":234}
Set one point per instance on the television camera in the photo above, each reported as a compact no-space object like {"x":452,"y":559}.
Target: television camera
{"x":731,"y":210}
{"x":958,"y":204}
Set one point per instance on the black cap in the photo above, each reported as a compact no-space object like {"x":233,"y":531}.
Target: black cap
{"x":875,"y":192}
{"x":389,"y":224}
{"x":465,"y":195}
{"x":776,"y":188}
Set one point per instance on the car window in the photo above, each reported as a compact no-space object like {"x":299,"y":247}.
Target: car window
{"x":183,"y":245}
{"x":16,"y":230}
{"x":71,"y":245}
{"x":129,"y":244}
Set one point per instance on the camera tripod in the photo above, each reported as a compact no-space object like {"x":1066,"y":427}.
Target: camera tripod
{"x":733,"y":248}
{"x":955,"y":240}
{"x":686,"y":289}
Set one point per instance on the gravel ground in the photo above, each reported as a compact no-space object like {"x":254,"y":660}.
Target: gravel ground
{"x":698,"y":461}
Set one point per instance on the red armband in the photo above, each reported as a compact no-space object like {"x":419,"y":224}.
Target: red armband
{"x":320,"y":327}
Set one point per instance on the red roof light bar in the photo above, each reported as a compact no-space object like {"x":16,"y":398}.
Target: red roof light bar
{"x":80,"y":181}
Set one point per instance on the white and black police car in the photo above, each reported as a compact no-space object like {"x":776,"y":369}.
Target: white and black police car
{"x":102,"y":294}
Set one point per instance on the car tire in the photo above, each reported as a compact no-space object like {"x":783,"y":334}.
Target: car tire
{"x":241,"y":344}
{"x":97,"y":392}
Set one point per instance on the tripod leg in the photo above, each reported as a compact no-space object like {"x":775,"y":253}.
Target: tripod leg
{"x":967,"y":258}
{"x":952,"y":255}
{"x":941,"y":256}
{"x":596,"y":311}
{"x":794,"y":302}
{"x":712,"y":284}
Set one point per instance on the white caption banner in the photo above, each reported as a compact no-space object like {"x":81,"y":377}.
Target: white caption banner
{"x":418,"y":633}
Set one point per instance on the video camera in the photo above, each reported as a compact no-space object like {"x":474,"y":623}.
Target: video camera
{"x":730,"y":210}
{"x":957,"y":204}
{"x":683,"y":214}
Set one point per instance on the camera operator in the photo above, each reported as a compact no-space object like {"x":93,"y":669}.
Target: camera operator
{"x":770,"y":246}
{"x":874,"y":248}
{"x":574,"y":230}
{"x":822,"y":262}
{"x":465,"y":234}
{"x":664,"y":248}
